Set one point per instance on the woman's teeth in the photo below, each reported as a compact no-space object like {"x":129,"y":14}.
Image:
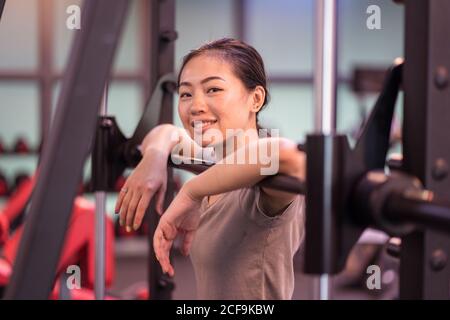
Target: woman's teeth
{"x":199,"y":124}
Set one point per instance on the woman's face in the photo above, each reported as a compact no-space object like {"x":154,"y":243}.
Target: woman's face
{"x":212,"y":97}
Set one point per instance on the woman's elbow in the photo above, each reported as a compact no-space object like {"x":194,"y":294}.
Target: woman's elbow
{"x":292,"y":160}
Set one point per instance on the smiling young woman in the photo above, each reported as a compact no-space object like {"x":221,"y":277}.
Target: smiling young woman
{"x":242,"y":238}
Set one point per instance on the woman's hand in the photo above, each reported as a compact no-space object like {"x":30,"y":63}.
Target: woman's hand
{"x":148,"y":179}
{"x":182,"y":216}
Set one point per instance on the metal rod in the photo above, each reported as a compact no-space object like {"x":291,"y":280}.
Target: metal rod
{"x":325,"y":66}
{"x":45,"y":66}
{"x":100,"y":227}
{"x":325,"y":89}
{"x":278,"y":182}
{"x":99,"y":283}
{"x":324,"y":285}
{"x":421,"y":208}
{"x":104,"y":105}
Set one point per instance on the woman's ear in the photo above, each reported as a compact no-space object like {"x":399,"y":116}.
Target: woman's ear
{"x":259,"y":95}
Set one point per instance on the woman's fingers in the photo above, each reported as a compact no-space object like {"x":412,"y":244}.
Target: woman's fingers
{"x":137,"y":212}
{"x":124,"y":207}
{"x":162,"y":251}
{"x":187,"y":242}
{"x":162,"y":242}
{"x":165,"y":257}
{"x":132,"y":206}
{"x":119,"y":200}
{"x":141,"y":208}
{"x":160,"y":199}
{"x":131,"y":211}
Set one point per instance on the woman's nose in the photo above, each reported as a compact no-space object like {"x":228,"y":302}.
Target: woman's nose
{"x":198,"y":106}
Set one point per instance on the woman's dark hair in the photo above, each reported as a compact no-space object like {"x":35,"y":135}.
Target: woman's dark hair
{"x":247,"y":63}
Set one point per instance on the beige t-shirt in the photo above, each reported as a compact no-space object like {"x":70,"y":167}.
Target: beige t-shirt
{"x":240,"y":253}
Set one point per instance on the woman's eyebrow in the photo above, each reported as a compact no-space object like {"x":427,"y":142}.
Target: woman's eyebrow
{"x":185,"y":83}
{"x":211,"y":78}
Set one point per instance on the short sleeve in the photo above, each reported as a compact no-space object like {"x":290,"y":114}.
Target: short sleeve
{"x":257,"y":214}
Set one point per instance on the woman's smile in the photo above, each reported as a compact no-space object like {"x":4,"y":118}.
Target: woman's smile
{"x":202,"y":125}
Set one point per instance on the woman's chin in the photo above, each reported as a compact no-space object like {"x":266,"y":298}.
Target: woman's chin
{"x":211,"y":143}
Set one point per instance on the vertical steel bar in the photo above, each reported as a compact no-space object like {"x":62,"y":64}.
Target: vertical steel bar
{"x":100,"y":227}
{"x":325,"y":88}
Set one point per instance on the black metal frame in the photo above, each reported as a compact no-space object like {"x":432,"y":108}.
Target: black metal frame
{"x":425,"y":134}
{"x":333,"y":225}
{"x":2,"y":6}
{"x":69,"y":143}
{"x":345,"y":194}
{"x":113,"y":152}
{"x":163,"y":36}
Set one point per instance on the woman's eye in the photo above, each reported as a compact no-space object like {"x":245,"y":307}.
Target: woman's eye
{"x":212,"y":90}
{"x":184,"y":95}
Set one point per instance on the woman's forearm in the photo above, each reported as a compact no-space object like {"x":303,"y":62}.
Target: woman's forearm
{"x":168,"y":138}
{"x":230,"y":174}
{"x":159,"y":139}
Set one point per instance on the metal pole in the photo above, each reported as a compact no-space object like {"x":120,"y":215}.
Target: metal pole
{"x":325,"y":66}
{"x":325,"y":90}
{"x":2,"y":6}
{"x":100,"y":228}
{"x":162,"y":45}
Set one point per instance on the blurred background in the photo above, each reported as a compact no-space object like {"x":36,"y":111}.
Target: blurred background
{"x":35,"y":45}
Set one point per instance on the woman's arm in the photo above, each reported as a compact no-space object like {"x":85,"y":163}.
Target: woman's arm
{"x":282,"y":156}
{"x":182,"y":216}
{"x":149,"y":178}
{"x":292,"y":163}
{"x":167,"y":137}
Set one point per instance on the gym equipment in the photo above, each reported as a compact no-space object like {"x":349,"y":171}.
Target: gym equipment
{"x":120,"y":181}
{"x":113,"y":152}
{"x":367,"y":80}
{"x":13,"y":211}
{"x":20,"y":178}
{"x":100,"y":188}
{"x":68,"y":146}
{"x":346,"y":190}
{"x":21,"y":146}
{"x":87,"y":186}
{"x":2,"y":5}
{"x":4,"y":189}
{"x":78,"y":245}
{"x":396,"y":203}
{"x":325,"y":92}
